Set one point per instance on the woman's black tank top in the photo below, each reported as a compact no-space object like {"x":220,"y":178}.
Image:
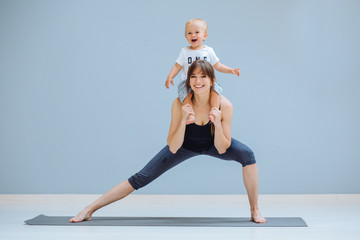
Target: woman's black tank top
{"x":198,"y":138}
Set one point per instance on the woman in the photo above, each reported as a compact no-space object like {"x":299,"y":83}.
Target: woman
{"x":211,"y":138}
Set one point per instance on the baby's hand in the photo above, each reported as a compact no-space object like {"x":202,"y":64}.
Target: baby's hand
{"x":168,"y":81}
{"x":236,"y":71}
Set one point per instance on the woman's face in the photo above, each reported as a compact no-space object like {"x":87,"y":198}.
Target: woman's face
{"x":199,"y":82}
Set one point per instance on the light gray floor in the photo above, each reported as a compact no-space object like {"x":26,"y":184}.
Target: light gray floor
{"x":328,"y":216}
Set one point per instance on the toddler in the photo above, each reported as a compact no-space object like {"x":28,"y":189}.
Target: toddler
{"x":196,"y":33}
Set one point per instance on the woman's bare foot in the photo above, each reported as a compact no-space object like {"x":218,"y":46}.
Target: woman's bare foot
{"x":84,"y":215}
{"x":257,"y":218}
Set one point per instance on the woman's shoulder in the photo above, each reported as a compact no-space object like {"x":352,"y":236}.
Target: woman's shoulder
{"x":225,"y":104}
{"x":176,"y":104}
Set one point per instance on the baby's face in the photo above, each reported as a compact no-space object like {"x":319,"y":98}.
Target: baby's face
{"x":195,"y":34}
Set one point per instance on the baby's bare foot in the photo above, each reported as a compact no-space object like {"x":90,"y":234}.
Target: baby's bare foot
{"x":84,"y":215}
{"x":191,"y":119}
{"x":257,"y":218}
{"x":211,"y":118}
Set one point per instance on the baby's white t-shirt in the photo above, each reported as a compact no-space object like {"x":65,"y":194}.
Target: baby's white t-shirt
{"x":188,"y":56}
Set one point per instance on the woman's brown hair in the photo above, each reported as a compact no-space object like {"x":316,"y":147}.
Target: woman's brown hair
{"x":208,"y":70}
{"x":205,"y":67}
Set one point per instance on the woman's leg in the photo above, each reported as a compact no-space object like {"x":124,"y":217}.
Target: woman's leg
{"x":159,"y":164}
{"x":250,"y":176}
{"x":116,"y":193}
{"x":241,"y":153}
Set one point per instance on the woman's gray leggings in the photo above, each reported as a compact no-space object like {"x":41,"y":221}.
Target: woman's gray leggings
{"x":165,"y":160}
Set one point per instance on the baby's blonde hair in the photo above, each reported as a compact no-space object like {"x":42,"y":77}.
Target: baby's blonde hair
{"x":197,"y":19}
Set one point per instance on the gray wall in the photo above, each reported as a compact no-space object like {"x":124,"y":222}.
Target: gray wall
{"x":83,"y":104}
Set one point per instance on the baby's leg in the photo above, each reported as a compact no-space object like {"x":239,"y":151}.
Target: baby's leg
{"x":214,"y":102}
{"x":187,"y":100}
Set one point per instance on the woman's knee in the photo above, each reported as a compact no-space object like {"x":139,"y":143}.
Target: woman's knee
{"x":159,"y":164}
{"x":243,"y":153}
{"x":139,"y":180}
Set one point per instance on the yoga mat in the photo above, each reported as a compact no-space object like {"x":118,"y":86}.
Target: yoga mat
{"x":169,"y":221}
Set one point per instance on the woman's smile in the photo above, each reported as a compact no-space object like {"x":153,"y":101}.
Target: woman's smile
{"x":199,"y":86}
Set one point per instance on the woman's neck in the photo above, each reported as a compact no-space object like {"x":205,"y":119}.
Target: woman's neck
{"x":201,"y":100}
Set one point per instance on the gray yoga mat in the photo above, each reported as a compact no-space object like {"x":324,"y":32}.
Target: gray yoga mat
{"x":169,"y":221}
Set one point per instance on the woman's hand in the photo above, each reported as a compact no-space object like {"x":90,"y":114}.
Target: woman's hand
{"x":215,"y":116}
{"x":186,"y":111}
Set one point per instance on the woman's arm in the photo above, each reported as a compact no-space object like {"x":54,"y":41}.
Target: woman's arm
{"x":222,"y":123}
{"x":179,"y":116}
